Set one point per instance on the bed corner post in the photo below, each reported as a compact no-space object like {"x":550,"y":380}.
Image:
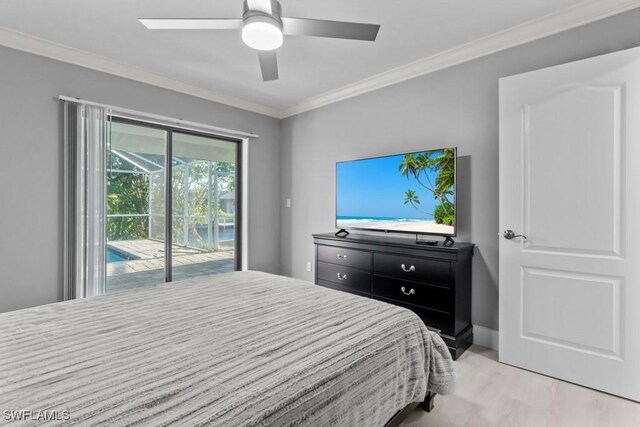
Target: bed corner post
{"x":427,"y":404}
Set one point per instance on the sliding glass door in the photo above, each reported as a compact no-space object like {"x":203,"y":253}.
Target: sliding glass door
{"x":195,"y":233}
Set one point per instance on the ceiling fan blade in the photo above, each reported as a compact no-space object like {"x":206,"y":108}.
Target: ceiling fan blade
{"x":191,"y":24}
{"x":268,"y":64}
{"x":333,"y":29}
{"x":260,"y":6}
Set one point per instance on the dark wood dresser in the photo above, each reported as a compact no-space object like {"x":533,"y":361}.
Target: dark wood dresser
{"x":432,"y":281}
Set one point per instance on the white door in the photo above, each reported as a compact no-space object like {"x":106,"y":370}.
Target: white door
{"x":570,"y":182}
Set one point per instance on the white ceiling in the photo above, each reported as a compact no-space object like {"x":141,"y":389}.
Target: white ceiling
{"x":220,"y":62}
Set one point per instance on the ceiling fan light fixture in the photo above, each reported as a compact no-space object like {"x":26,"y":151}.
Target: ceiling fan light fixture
{"x":262,"y":33}
{"x":263,"y":27}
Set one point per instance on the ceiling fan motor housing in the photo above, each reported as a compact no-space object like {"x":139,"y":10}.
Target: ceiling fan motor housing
{"x":249,"y":15}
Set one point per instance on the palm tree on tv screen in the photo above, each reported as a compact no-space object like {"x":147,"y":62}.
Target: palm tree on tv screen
{"x":419,"y":166}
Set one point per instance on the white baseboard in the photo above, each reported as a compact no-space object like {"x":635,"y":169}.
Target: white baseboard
{"x":485,"y":337}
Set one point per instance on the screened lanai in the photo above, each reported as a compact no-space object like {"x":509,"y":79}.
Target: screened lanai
{"x":203,"y":205}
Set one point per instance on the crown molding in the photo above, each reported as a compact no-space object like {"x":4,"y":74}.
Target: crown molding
{"x":38,"y":46}
{"x":565,"y":19}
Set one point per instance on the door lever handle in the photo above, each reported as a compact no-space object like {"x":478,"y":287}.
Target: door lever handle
{"x":510,"y":234}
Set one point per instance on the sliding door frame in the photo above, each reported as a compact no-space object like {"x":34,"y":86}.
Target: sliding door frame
{"x":168,"y":184}
{"x":168,"y":207}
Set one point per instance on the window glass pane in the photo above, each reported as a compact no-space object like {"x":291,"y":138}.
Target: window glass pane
{"x":135,"y":207}
{"x":204,"y":205}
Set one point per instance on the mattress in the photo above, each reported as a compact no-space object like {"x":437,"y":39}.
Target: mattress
{"x":238,"y":349}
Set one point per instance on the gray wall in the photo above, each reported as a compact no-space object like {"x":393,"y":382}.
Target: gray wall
{"x":457,"y":106}
{"x":31,"y":171}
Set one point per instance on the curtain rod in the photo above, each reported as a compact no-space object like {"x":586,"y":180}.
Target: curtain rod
{"x":162,"y":119}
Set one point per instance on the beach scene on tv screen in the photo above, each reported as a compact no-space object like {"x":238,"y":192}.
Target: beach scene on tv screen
{"x":409,"y":192}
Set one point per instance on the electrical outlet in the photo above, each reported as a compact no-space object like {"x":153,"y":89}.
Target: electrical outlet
{"x":288,"y":203}
{"x":308,"y":266}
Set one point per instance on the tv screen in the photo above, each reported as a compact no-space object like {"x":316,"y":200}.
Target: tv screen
{"x":407,"y":193}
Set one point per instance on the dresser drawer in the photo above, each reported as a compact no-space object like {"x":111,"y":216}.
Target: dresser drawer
{"x":413,"y":268}
{"x":348,"y":289}
{"x":433,"y":319}
{"x":345,"y":276}
{"x":347,"y":257}
{"x":433,"y":297}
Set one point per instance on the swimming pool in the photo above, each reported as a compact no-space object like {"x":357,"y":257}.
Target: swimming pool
{"x":117,"y":256}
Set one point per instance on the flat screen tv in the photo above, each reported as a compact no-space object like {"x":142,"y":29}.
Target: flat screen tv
{"x":405,"y":193}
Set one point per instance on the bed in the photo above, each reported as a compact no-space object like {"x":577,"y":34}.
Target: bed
{"x":238,"y":349}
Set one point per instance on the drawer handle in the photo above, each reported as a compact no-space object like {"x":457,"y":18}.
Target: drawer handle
{"x":342,"y":276}
{"x":340,"y":256}
{"x":409,"y":270}
{"x":404,"y":291}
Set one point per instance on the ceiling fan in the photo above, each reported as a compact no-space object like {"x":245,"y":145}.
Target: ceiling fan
{"x":263,"y":28}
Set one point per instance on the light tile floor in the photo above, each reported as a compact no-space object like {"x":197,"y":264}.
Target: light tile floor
{"x":492,"y":394}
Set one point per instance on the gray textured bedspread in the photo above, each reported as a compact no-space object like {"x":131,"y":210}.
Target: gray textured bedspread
{"x":239,"y":349}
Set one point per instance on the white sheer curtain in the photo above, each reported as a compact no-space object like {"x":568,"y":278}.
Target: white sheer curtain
{"x":86,"y":131}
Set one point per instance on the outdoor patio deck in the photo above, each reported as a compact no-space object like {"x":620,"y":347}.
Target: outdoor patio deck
{"x":148,"y":270}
